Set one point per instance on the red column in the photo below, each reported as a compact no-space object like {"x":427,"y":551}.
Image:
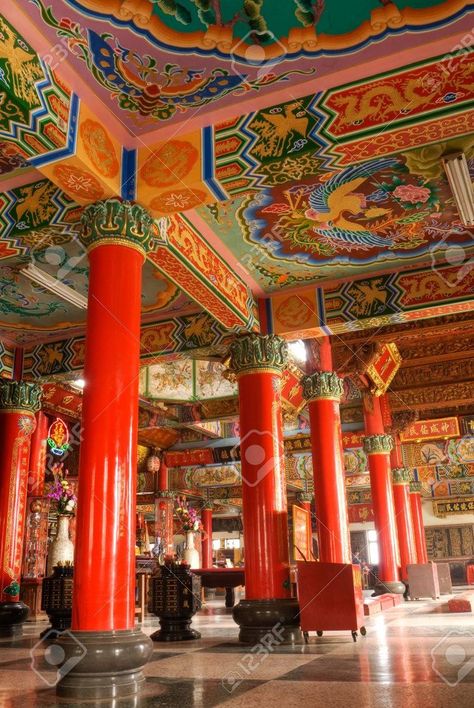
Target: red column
{"x":403,"y":516}
{"x":104,"y":572}
{"x":403,"y":513}
{"x":37,"y":465}
{"x":258,"y":362}
{"x":162,"y":482}
{"x":206,"y":536}
{"x":377,"y":446}
{"x":323,"y":390}
{"x":18,"y":403}
{"x":418,"y":525}
{"x":116,"y":235}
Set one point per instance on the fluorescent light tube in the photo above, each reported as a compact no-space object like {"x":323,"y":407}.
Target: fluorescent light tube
{"x":457,"y":172}
{"x":48,"y":282}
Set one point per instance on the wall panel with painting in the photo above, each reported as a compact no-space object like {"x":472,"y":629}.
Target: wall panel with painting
{"x":454,"y":544}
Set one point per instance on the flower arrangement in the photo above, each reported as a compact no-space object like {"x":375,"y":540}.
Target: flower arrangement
{"x":188,"y":516}
{"x":61,"y":493}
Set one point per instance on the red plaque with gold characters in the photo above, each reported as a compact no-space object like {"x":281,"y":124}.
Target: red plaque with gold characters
{"x":291,"y":391}
{"x":301,"y":534}
{"x":431,"y":430}
{"x":382,"y":367}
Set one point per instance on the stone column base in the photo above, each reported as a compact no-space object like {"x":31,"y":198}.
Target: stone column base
{"x":12,"y":616}
{"x":102,"y":665}
{"x":176,"y":629}
{"x":266,"y":618}
{"x":395,"y":586}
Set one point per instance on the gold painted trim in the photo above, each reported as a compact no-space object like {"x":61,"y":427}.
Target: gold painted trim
{"x":116,"y":242}
{"x":19,"y":411}
{"x":324,"y":398}
{"x":263,"y":370}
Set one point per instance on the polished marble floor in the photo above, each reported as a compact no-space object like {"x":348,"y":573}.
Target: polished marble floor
{"x":413,"y":655}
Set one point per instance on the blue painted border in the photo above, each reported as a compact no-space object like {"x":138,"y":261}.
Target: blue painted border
{"x":70,"y":147}
{"x":128,"y":177}
{"x":208,"y":176}
{"x":269,"y":313}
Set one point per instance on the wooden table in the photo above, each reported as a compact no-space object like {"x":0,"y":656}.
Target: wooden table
{"x":228,"y":578}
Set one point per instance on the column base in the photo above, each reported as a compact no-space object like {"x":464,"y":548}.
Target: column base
{"x":262,"y":618}
{"x":102,"y":665}
{"x":394,"y":586}
{"x":12,"y":616}
{"x":176,"y":629}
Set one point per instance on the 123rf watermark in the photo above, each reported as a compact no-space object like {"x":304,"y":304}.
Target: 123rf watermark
{"x":453,"y":656}
{"x":253,"y":659}
{"x":49,"y":660}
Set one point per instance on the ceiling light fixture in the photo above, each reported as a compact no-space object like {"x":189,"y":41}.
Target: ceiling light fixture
{"x":48,"y":282}
{"x":297,"y":350}
{"x":78,"y":383}
{"x":457,"y":172}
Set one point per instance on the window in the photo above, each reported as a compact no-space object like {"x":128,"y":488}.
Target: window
{"x":216,"y":544}
{"x":373,"y":547}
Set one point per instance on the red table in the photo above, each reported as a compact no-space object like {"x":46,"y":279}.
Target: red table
{"x":470,"y":573}
{"x":228,"y":578}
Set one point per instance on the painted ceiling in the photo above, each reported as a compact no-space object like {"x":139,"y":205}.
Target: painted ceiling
{"x":257,"y":135}
{"x":381,"y":214}
{"x":158,"y":61}
{"x":41,"y":224}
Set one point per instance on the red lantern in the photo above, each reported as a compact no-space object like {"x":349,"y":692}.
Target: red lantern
{"x":153,"y":463}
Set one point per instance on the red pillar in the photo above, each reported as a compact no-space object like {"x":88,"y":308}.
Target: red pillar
{"x":37,"y":465}
{"x":323,"y":390}
{"x":377,"y":446}
{"x":418,"y":525}
{"x":403,"y":516}
{"x":206,"y":558}
{"x":116,"y":234}
{"x":162,"y":482}
{"x":403,"y":513}
{"x":18,"y":403}
{"x":258,"y":362}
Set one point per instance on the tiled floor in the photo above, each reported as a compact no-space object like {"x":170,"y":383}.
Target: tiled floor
{"x":413,"y":655}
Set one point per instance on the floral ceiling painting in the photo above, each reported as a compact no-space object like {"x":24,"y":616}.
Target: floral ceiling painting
{"x":382,"y":213}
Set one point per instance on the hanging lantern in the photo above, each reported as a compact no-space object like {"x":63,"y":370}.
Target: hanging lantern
{"x":153,"y":463}
{"x":58,"y":436}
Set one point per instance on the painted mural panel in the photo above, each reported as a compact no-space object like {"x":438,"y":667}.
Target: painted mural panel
{"x":171,"y":380}
{"x":211,"y":382}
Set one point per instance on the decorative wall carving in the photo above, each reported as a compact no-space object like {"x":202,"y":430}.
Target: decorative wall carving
{"x":435,"y":396}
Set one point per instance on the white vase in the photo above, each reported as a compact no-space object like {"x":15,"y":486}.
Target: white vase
{"x":191,"y":555}
{"x":62,"y":548}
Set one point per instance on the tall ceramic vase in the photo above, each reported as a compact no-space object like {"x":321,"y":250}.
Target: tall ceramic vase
{"x":191,"y":554}
{"x":62,"y":548}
